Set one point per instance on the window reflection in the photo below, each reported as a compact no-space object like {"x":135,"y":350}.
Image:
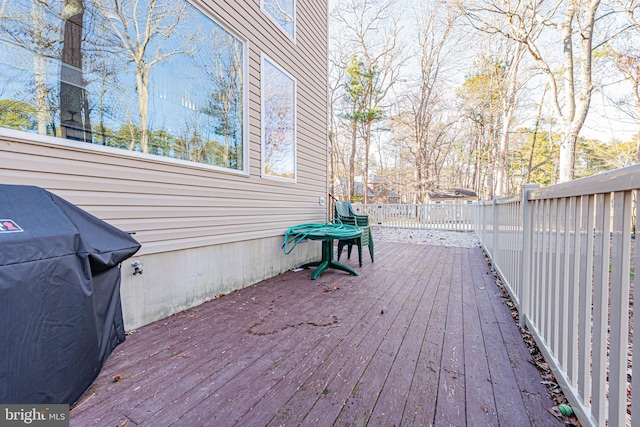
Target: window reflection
{"x":278,"y":122}
{"x":154,"y":76}
{"x":283,"y":12}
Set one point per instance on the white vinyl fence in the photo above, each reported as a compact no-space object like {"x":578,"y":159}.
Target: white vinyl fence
{"x":565,"y":254}
{"x":442,"y":216}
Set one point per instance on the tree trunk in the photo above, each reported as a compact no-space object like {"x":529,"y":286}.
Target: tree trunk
{"x":41,"y":94}
{"x":508,"y":108}
{"x":423,"y":173}
{"x":365,"y":175}
{"x":143,"y":107}
{"x":502,"y":152}
{"x":352,"y":161}
{"x":73,"y":95}
{"x":574,"y":114}
{"x":636,"y":97}
{"x":567,"y":144}
{"x":567,"y":157}
{"x":491,"y":173}
{"x":39,"y":67}
{"x":535,"y":137}
{"x":332,"y":159}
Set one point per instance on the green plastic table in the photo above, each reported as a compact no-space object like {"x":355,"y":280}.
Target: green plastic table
{"x":326,"y":233}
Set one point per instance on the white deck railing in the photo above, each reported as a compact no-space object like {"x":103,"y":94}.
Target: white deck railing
{"x":565,"y":254}
{"x":442,"y":216}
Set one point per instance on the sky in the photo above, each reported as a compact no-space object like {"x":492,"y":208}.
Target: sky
{"x":604,"y":122}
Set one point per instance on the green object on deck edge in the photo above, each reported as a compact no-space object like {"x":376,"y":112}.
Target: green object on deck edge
{"x":300,"y":232}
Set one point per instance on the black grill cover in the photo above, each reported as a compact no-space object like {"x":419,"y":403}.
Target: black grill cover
{"x":60,"y":311}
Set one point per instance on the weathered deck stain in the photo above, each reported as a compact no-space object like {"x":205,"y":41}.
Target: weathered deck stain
{"x":421,"y":337}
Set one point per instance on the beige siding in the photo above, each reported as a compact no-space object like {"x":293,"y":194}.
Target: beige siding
{"x":176,"y":280}
{"x":177,"y":206}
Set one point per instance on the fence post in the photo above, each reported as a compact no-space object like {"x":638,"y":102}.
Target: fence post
{"x":483,"y":222}
{"x":495,"y":231}
{"x":527,"y":252}
{"x":482,"y":215}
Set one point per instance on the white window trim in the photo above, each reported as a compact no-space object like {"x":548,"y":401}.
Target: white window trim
{"x":38,"y":139}
{"x":291,"y":37}
{"x":264,"y":58}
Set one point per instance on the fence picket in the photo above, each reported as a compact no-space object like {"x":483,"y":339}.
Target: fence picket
{"x":574,"y":285}
{"x":440,"y":216}
{"x":619,"y":323}
{"x":600,"y":306}
{"x":585,"y":298}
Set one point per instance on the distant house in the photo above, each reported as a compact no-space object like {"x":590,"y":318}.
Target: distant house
{"x":378,"y":190}
{"x":381,"y":191}
{"x":209,"y":156}
{"x":452,"y":195}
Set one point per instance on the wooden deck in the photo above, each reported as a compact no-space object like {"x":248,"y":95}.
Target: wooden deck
{"x":422,"y":337}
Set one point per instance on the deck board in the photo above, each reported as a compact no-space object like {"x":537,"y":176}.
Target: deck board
{"x":391,"y":404}
{"x":420,"y":408}
{"x":421,"y":337}
{"x":480,"y":399}
{"x":450,"y":404}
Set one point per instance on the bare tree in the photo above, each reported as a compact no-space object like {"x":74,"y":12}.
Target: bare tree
{"x":483,"y":95}
{"x":141,"y":25}
{"x":531,"y":167}
{"x":40,"y":43}
{"x":224,"y":72}
{"x":343,"y":133}
{"x":626,"y":55}
{"x":73,"y":95}
{"x":628,"y":62}
{"x":34,"y":28}
{"x":279,"y":9}
{"x":436,"y":43}
{"x":354,"y":92}
{"x":509,"y":90}
{"x":509,"y":55}
{"x":372,"y":33}
{"x":336,"y":79}
{"x":571,"y":88}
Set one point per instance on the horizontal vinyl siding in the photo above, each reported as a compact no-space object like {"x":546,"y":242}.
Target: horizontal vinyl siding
{"x":173,"y":206}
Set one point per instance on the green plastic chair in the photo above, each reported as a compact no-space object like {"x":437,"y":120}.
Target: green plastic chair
{"x":343,"y":211}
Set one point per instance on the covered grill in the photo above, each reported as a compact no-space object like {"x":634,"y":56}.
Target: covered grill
{"x":60,"y":309}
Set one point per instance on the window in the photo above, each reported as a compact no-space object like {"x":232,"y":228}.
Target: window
{"x":283,"y":12}
{"x":157,"y":77}
{"x":278,"y":122}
